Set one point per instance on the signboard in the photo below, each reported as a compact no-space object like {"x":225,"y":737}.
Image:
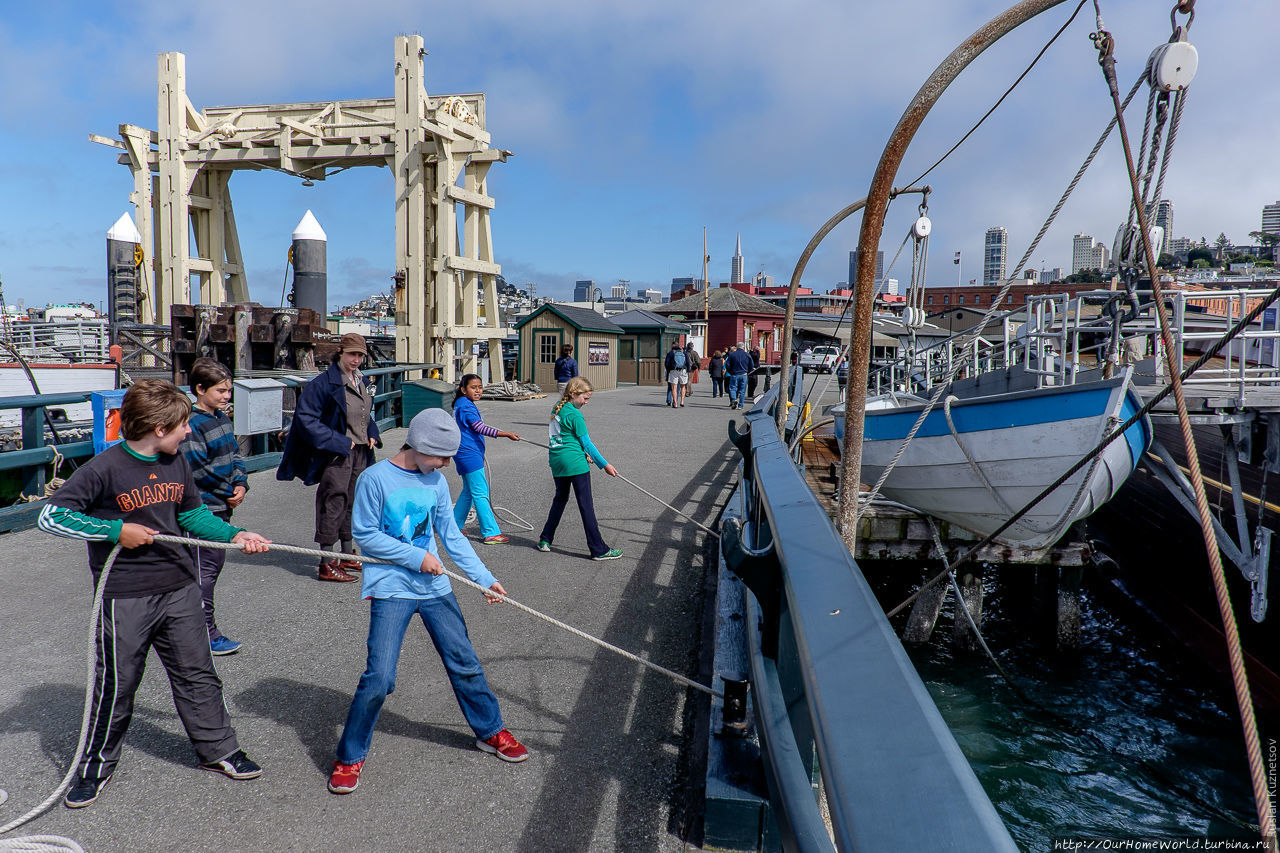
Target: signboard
{"x":598,"y":353}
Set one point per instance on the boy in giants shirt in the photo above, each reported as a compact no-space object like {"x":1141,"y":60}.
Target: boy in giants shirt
{"x":126,"y":494}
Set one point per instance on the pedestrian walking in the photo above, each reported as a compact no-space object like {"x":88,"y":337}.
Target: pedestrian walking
{"x":213,"y":453}
{"x":755,"y":372}
{"x":677,"y":366}
{"x":715,"y":369}
{"x":402,"y":505}
{"x":570,"y":448}
{"x":695,"y":364}
{"x":738,"y":365}
{"x":566,"y":367}
{"x":470,"y":460}
{"x":331,"y":442}
{"x":126,"y":495}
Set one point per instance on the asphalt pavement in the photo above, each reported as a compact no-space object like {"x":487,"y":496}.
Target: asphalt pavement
{"x":614,"y":757}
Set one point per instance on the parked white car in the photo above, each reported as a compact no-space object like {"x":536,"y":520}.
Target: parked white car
{"x":823,"y":359}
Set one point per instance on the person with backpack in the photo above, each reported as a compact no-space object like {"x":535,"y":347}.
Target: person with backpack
{"x":677,"y":367}
{"x":695,"y":364}
{"x":715,"y":369}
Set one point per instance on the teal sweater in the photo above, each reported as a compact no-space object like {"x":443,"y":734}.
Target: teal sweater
{"x":570,"y":444}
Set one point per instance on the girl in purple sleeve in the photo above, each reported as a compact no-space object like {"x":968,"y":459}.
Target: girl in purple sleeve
{"x":470,"y":459}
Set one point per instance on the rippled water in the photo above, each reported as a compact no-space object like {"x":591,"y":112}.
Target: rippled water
{"x":1124,"y":738}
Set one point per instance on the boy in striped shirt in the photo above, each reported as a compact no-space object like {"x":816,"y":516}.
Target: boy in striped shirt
{"x":125,"y":495}
{"x":213,"y":453}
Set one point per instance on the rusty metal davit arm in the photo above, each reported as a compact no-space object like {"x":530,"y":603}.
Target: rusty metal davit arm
{"x":873,"y":224}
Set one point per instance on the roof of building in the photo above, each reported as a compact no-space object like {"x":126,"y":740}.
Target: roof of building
{"x":583,"y":319}
{"x":720,"y":299}
{"x":639,"y":318}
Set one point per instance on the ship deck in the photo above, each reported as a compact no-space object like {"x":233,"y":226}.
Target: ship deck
{"x":614,"y":747}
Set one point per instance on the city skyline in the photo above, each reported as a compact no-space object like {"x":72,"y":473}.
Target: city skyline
{"x":616,"y":172}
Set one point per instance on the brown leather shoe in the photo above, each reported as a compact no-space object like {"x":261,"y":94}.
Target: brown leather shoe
{"x":351,"y":565}
{"x":332,"y":571}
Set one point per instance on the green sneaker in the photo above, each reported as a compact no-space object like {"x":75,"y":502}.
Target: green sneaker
{"x":611,"y":554}
{"x":544,"y":545}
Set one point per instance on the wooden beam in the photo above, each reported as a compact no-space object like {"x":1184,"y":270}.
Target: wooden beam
{"x":457,"y":193}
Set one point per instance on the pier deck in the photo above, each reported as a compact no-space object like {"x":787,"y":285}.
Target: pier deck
{"x":612,"y":744}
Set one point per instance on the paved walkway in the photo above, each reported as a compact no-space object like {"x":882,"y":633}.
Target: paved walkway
{"x":613,"y":764}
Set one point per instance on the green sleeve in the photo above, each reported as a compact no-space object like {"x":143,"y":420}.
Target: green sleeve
{"x":203,"y":524}
{"x":61,"y":521}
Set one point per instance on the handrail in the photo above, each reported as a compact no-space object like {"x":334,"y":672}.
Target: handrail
{"x":849,"y":696}
{"x":34,"y":457}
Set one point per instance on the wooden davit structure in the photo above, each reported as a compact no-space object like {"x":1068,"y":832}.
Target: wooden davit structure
{"x":436,"y":147}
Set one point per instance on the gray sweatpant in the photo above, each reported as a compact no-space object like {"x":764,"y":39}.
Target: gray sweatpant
{"x":173,"y":624}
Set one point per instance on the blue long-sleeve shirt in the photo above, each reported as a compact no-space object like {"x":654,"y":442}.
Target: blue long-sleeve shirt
{"x":396,"y":517}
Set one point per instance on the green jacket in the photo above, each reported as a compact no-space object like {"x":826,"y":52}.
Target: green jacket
{"x":570,"y":444}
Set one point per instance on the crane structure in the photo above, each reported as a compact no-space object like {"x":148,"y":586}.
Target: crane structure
{"x":445,"y":282}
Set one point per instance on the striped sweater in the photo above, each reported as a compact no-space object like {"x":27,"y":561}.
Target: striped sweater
{"x":214,"y":455}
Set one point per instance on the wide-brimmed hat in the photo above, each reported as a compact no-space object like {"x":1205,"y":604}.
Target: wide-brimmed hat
{"x":351,"y":342}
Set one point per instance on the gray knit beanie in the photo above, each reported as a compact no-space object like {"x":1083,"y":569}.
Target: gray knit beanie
{"x":433,"y":432}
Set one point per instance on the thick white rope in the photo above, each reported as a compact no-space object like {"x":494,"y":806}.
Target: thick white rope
{"x":466,"y":581}
{"x":647,"y":492}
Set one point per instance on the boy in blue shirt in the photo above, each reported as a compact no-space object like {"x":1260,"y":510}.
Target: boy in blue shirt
{"x":401,"y":504}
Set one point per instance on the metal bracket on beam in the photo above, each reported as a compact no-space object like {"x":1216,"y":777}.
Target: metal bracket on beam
{"x":759,"y":570}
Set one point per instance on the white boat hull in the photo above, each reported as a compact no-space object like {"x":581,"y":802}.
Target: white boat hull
{"x":1003,"y":451}
{"x":54,"y":379}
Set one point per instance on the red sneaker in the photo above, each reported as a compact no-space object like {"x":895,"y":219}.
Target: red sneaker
{"x":505,"y":746}
{"x":499,"y":539}
{"x":345,"y":777}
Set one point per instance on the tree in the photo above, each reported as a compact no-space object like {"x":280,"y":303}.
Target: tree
{"x":1222,"y":243}
{"x":1166,"y":261}
{"x":1200,"y":264}
{"x":1090,"y":276}
{"x":1200,"y":254}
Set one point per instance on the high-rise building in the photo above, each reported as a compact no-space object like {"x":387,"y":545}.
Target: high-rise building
{"x":618,"y":291}
{"x":735,"y":265}
{"x":1099,"y":257}
{"x":853,"y":265}
{"x":1271,"y":218}
{"x":1164,"y":219}
{"x":582,"y":290}
{"x":1179,"y":246}
{"x":762,"y":279}
{"x":687,"y":283}
{"x":1081,"y":253}
{"x":995,"y":255}
{"x":651,"y":294}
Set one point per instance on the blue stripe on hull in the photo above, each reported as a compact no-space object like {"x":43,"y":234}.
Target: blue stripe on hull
{"x":1000,"y":414}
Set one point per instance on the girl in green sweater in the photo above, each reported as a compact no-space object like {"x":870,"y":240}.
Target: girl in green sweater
{"x":571,"y":447}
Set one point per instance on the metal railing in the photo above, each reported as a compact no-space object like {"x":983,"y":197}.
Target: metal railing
{"x":833,"y":687}
{"x":1065,"y":335}
{"x":33,"y":460}
{"x":65,"y":341}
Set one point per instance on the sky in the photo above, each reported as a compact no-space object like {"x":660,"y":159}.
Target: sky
{"x":634,"y":126}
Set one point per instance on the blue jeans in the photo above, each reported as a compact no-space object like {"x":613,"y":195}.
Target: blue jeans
{"x":388,"y":620}
{"x":476,"y":488}
{"x":738,"y":388}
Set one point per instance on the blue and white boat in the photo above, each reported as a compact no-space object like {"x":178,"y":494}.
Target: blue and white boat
{"x":980,"y":458}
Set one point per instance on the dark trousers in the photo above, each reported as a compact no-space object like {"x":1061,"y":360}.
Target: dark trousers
{"x":581,"y":484}
{"x":751,"y":382}
{"x":335,"y":496}
{"x":717,"y":386}
{"x":210,"y":561}
{"x":173,"y":624}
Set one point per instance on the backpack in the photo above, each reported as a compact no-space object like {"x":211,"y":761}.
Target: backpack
{"x":694,"y":359}
{"x":678,"y":360}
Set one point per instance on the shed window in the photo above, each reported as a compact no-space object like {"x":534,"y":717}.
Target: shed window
{"x":547,"y":349}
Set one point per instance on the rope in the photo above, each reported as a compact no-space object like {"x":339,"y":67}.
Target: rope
{"x":971,"y":336}
{"x":22,"y":843}
{"x":1155,"y":400}
{"x":647,"y":492}
{"x":466,"y":581}
{"x":1239,"y":678}
{"x":511,"y":516}
{"x":1006,"y":94}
